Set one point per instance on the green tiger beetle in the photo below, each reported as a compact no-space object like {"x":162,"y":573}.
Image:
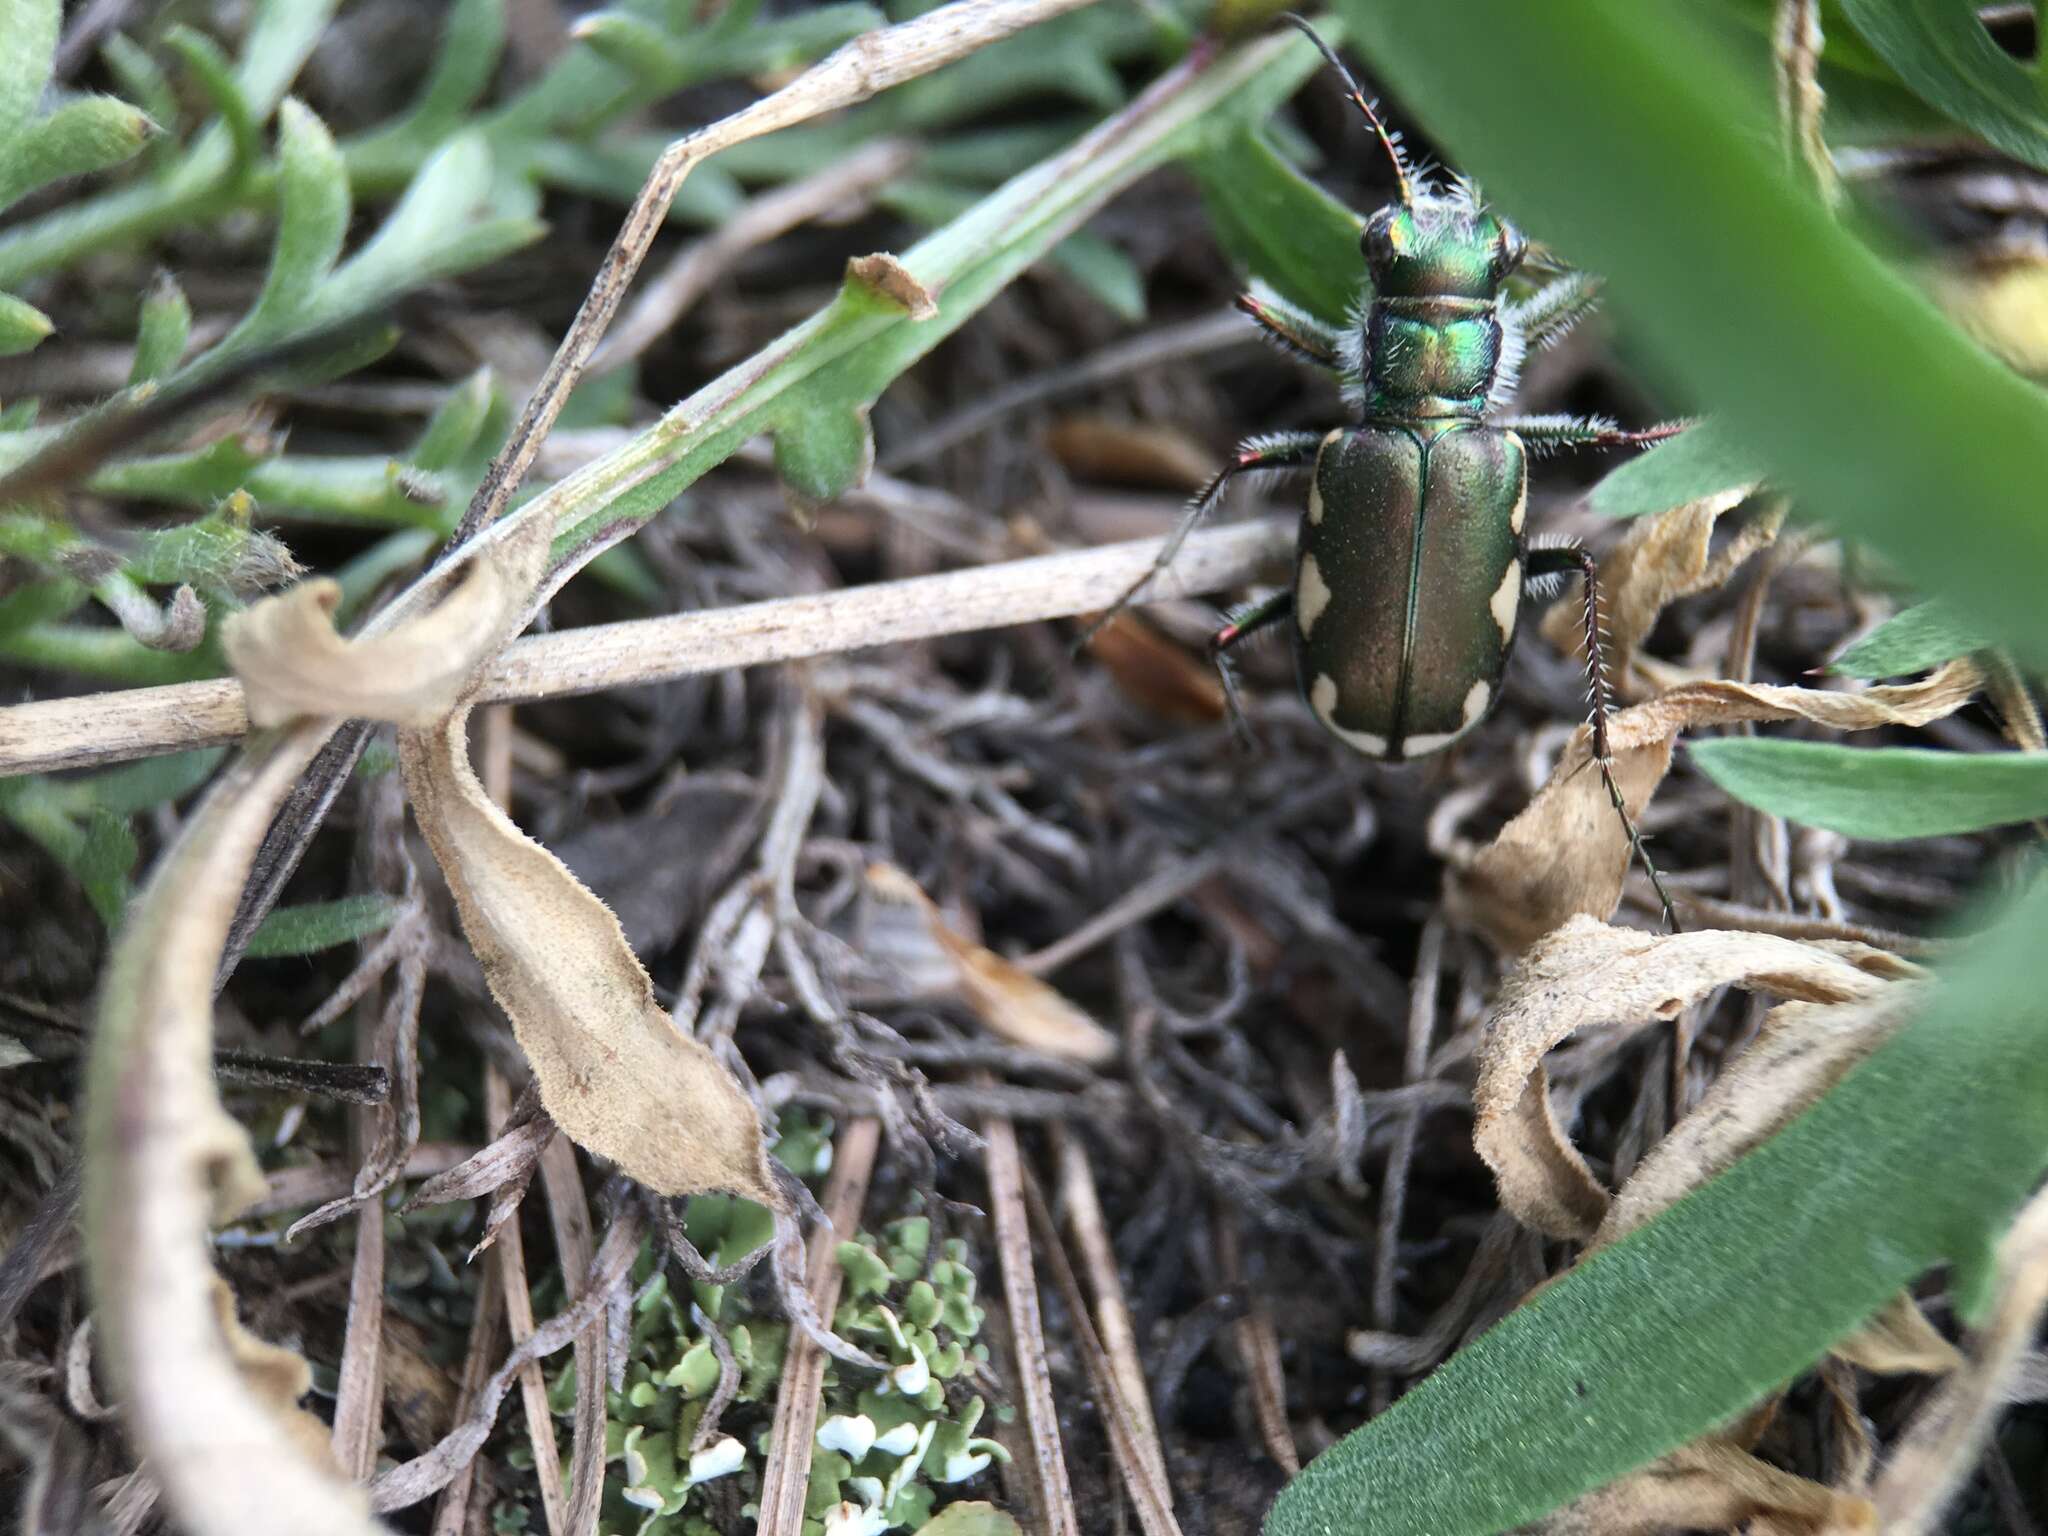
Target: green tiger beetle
{"x":1412,"y":564}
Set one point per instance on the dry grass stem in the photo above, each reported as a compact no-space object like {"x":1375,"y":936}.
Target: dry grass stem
{"x":123,"y":724}
{"x":1045,"y":1466}
{"x":786,"y":1476}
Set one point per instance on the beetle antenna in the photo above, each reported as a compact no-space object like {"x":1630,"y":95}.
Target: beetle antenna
{"x":1389,"y":140}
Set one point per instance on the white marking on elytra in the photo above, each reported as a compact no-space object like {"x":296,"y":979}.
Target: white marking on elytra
{"x":1311,"y":594}
{"x":1322,"y":698}
{"x":1507,"y":600}
{"x":1315,"y":481}
{"x":1519,"y":512}
{"x":1476,"y":699}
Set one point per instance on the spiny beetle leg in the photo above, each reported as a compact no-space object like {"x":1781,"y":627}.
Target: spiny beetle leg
{"x":1278,"y":450}
{"x":1294,"y":331}
{"x":1552,"y":310}
{"x":1564,"y":559}
{"x":1245,"y":622}
{"x":1544,"y":434}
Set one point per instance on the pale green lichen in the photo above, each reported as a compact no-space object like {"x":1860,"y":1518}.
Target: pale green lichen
{"x":888,"y":1449}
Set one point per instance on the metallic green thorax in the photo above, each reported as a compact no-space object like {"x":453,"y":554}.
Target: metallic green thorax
{"x":1409,"y":575}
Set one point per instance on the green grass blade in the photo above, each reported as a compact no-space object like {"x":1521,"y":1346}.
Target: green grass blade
{"x":1921,"y":1154}
{"x":1702,"y":461}
{"x":1879,"y":793}
{"x":1280,"y":226}
{"x":318,"y":925}
{"x":1943,"y":52}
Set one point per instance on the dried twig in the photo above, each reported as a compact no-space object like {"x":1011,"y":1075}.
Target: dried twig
{"x":786,"y":1477}
{"x":1047,"y":1469}
{"x":117,"y":725}
{"x":1401,"y":1156}
{"x":451,"y":1516}
{"x":569,"y":1215}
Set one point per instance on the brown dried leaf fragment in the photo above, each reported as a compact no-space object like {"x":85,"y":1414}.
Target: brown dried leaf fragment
{"x":1587,"y":975}
{"x":292,"y":661}
{"x":1942,"y":1445}
{"x":614,"y":1072}
{"x":211,"y":1409}
{"x":1012,"y":1003}
{"x":1567,"y":854}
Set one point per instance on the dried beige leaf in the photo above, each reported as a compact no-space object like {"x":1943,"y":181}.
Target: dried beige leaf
{"x":614,"y":1071}
{"x":1587,"y":975}
{"x":1947,"y":1435}
{"x":1566,"y":853}
{"x":211,"y":1409}
{"x":1012,"y":1003}
{"x":1658,"y":561}
{"x":887,"y":276}
{"x":292,"y":662}
{"x":1710,"y":1485}
{"x":1900,"y":1341}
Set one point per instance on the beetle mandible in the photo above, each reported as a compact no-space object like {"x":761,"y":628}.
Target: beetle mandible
{"x":1412,"y":563}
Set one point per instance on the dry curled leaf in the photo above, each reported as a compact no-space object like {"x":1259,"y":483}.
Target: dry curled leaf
{"x":1155,"y":673}
{"x":614,"y":1071}
{"x":211,"y":1409}
{"x":1131,"y":453}
{"x":1566,"y":853}
{"x":292,"y":661}
{"x":1658,"y":561}
{"x":1587,"y":975}
{"x":1012,"y":1003}
{"x":1947,"y":1435}
{"x":1710,"y":1485}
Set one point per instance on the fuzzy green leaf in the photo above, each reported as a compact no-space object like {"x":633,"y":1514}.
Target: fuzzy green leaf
{"x":312,"y":223}
{"x":1879,"y":793}
{"x":1280,"y":226}
{"x":85,"y":134}
{"x":1944,"y":53}
{"x":971,"y":1518}
{"x":822,"y":454}
{"x":1104,"y":272}
{"x":1701,"y":461}
{"x":318,"y":925}
{"x":30,"y":28}
{"x":1923,"y":636}
{"x":143,"y":82}
{"x":1919,"y":1155}
{"x":455,"y":426}
{"x":162,"y":332}
{"x":22,"y":325}
{"x":216,"y":76}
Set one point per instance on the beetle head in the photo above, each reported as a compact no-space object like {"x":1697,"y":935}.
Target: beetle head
{"x":1446,"y":247}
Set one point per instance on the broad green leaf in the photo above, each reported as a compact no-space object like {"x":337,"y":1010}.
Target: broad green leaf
{"x":1701,"y":461}
{"x":105,"y":865}
{"x":143,"y":82}
{"x":1879,"y":793}
{"x":822,"y":454}
{"x":970,"y":1518}
{"x":318,"y":925}
{"x":141,"y":785}
{"x":1105,"y":272}
{"x":454,"y":427}
{"x":1280,"y":225}
{"x":1923,"y":636}
{"x":1943,"y":52}
{"x":1868,"y":405}
{"x":1918,"y":1156}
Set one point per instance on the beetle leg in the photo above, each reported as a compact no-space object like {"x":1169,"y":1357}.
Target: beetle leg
{"x":1245,"y":622}
{"x":1547,"y":434}
{"x":1293,"y":330}
{"x":1559,"y":560}
{"x":1552,"y":310}
{"x":1278,"y":450}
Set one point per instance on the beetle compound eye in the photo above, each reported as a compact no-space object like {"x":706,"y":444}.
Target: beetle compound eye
{"x":1513,"y":247}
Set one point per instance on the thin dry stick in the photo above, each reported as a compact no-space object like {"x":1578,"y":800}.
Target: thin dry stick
{"x":667,"y":297}
{"x":359,"y":1394}
{"x":1048,"y":1466}
{"x":1258,"y":1348}
{"x":569,"y":1215}
{"x":451,"y":1515}
{"x":495,"y":759}
{"x":140,"y":722}
{"x":1429,"y":961}
{"x":1135,"y":1446}
{"x":1112,"y":1313}
{"x":786,"y":1478}
{"x":851,"y":74}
